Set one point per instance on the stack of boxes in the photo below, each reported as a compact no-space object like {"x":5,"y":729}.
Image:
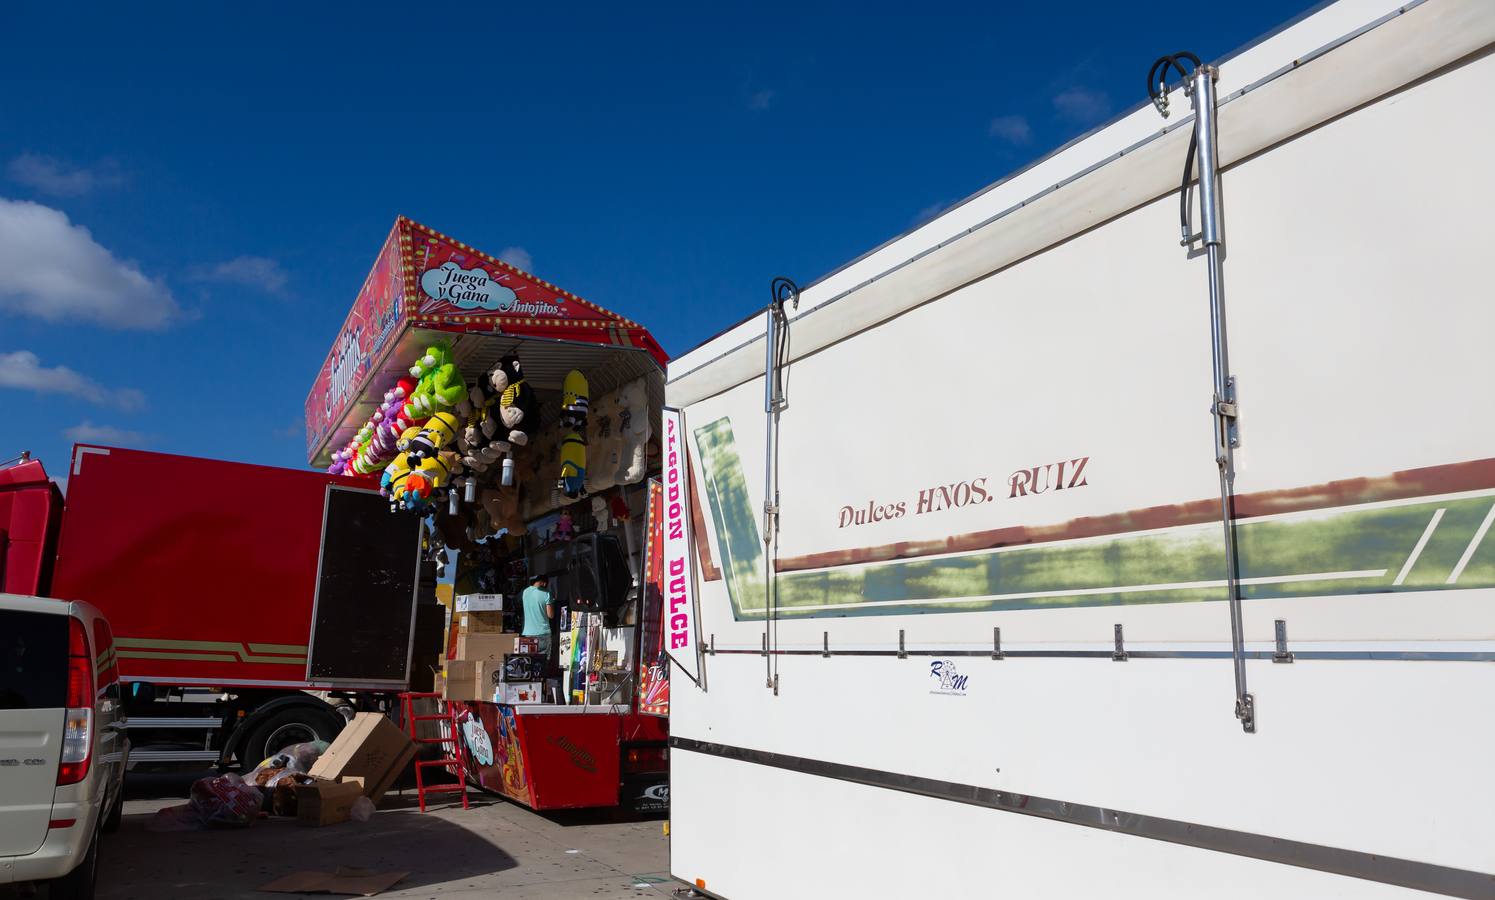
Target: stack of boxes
{"x":479,"y":649}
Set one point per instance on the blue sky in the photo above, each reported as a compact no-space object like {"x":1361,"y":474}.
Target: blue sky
{"x":191,"y":194}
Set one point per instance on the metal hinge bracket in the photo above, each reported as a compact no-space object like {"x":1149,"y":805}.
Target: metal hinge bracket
{"x":1119,"y":654}
{"x":1282,"y":655}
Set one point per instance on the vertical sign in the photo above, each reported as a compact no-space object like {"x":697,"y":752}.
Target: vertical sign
{"x":653,"y":669}
{"x":680,"y":612}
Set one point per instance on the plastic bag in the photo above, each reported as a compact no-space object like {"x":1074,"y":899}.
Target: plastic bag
{"x":174,"y":818}
{"x":225,"y":801}
{"x":295,"y":759}
{"x":362,"y":811}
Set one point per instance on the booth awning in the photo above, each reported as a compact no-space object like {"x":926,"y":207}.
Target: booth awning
{"x":425,"y":281}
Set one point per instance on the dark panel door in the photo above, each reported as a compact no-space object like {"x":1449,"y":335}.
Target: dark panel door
{"x":365,"y":590}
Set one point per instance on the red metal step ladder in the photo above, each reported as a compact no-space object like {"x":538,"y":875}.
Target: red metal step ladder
{"x":454,"y":762}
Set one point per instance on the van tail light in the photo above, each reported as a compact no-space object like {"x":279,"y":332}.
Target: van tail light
{"x":77,"y":733}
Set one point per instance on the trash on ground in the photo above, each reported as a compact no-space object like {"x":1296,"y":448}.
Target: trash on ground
{"x":328,"y":802}
{"x":222,"y":801}
{"x":372,"y":749}
{"x":293,"y":760}
{"x":346,"y":880}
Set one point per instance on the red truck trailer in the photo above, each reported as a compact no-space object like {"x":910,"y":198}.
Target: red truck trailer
{"x":256,"y":608}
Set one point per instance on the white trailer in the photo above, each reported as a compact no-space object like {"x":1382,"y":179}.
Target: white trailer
{"x":1024,"y":575}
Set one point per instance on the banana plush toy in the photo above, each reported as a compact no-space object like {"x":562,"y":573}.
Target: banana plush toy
{"x":574,"y":401}
{"x":573,"y":450}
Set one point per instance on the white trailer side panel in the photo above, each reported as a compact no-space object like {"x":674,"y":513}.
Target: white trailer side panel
{"x":1032,"y":452}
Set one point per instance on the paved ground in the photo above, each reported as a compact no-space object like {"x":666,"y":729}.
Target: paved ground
{"x":494,"y":849}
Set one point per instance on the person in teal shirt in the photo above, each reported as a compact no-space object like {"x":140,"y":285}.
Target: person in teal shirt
{"x":539,"y":609}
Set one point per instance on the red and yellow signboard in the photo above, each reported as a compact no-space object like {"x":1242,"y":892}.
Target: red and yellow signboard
{"x":425,"y":279}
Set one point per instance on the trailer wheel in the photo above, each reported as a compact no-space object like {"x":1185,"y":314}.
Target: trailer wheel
{"x":293,"y":725}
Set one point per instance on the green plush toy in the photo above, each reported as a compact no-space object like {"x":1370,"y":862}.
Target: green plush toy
{"x":440,"y":387}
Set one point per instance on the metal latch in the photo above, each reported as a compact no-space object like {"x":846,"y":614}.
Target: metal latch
{"x":1282,"y":655}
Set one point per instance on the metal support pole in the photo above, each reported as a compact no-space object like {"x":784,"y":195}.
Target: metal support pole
{"x":770,"y":479}
{"x":776,"y":330}
{"x":1223,"y":409}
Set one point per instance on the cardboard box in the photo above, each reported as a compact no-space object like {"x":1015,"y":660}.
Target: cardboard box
{"x":517,"y":692}
{"x":483,"y":646}
{"x":479,"y":602}
{"x":372,"y":748}
{"x":489,"y":621}
{"x":527,"y":645}
{"x":326,"y":802}
{"x":462,"y":681}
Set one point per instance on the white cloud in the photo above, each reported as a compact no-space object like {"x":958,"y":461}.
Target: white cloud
{"x":292,"y":431}
{"x":518,"y":257}
{"x":23,"y":370}
{"x":52,"y":176}
{"x":86,"y":432}
{"x":1013,"y":130}
{"x":1082,"y":105}
{"x":55,"y":271}
{"x":253,"y":271}
{"x":760,"y":100}
{"x":929,"y":212}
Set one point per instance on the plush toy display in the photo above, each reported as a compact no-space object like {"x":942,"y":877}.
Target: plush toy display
{"x":633,"y":431}
{"x":440,"y":387}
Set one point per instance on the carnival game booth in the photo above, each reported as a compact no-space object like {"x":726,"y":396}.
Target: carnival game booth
{"x":519,"y":424}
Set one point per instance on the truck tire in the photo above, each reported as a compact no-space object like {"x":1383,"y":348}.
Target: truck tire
{"x":292,"y":725}
{"x":79,"y":883}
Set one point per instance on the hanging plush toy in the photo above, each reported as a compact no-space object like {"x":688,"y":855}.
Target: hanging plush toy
{"x":478,"y":433}
{"x":574,"y":401}
{"x":602,"y":445}
{"x":633,"y":430}
{"x":518,"y":410}
{"x":573,"y":447}
{"x":392,"y":420}
{"x":573,"y":478}
{"x":439,"y":431}
{"x":565,"y":530}
{"x":428,"y":477}
{"x":392,"y":483}
{"x":440,"y":387}
{"x":503,"y":509}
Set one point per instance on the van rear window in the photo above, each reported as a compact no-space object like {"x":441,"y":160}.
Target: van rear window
{"x":33,"y":660}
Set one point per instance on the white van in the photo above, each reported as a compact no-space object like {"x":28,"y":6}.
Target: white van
{"x":63,"y":744}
